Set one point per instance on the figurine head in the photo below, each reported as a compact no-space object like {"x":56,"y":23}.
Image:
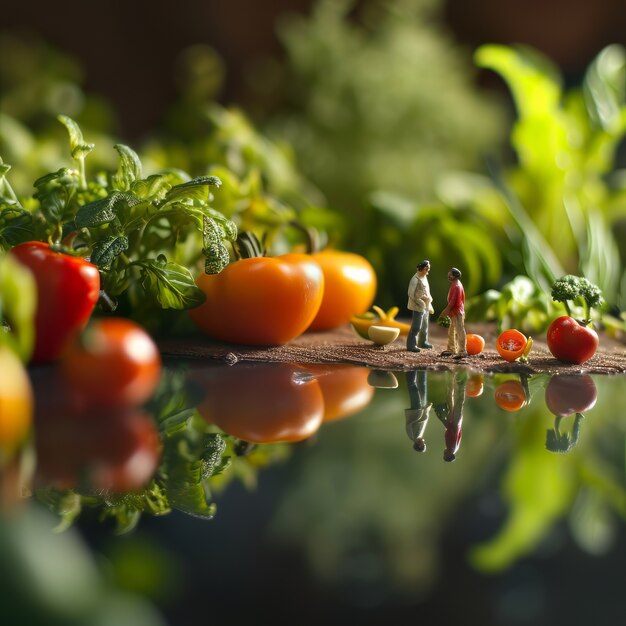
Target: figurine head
{"x":448,"y":456}
{"x":419,"y":445}
{"x":454,"y":274}
{"x":423,"y":268}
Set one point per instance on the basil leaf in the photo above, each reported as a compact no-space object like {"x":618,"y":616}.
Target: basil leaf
{"x":106,"y":250}
{"x":105,"y":210}
{"x":16,"y":226}
{"x":194,"y":189}
{"x":153,"y":188}
{"x":129,"y":169}
{"x":78,"y":146}
{"x":55,"y":192}
{"x":170,"y":284}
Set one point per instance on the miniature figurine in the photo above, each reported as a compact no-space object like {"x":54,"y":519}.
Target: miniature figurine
{"x":451,"y":415}
{"x":417,"y":416}
{"x":420,"y":303}
{"x":455,"y":310}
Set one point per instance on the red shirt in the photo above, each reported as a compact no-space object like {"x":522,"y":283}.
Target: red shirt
{"x":456,"y":299}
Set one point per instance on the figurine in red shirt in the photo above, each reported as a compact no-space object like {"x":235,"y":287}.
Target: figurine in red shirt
{"x":455,"y":310}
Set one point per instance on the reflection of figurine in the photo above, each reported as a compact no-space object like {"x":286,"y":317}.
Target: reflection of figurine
{"x":420,"y":303}
{"x":455,"y":310}
{"x":417,"y":416}
{"x":451,"y":415}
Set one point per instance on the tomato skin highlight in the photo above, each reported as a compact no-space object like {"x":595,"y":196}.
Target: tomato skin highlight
{"x":570,"y":342}
{"x":567,"y":394}
{"x":67,"y":292}
{"x":114,"y":364}
{"x":16,"y":403}
{"x":349,"y":288}
{"x":262,"y":301}
{"x":266,"y":403}
{"x":511,"y":344}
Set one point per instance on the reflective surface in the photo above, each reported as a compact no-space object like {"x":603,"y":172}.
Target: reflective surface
{"x":352,"y":493}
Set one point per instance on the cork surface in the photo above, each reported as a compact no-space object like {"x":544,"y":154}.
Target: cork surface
{"x":344,"y":346}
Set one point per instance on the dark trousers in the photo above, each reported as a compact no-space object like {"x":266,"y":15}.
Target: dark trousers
{"x":419,"y":327}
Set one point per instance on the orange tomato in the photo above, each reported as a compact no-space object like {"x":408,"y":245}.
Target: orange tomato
{"x":510,"y":395}
{"x":349,"y":288}
{"x":261,"y":403}
{"x":16,"y":402}
{"x":474,"y":344}
{"x":511,"y":344}
{"x":260,"y":301}
{"x":114,"y":363}
{"x":344,"y":387}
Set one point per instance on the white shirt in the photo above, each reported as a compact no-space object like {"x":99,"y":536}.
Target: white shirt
{"x":419,"y":294}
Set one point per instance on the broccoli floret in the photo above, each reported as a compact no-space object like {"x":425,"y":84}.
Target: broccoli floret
{"x":577,"y":290}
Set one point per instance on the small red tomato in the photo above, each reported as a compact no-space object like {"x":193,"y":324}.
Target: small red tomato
{"x":510,"y":395}
{"x":261,"y":301}
{"x":474,"y":344}
{"x":571,"y":342}
{"x":114,"y":363}
{"x":67,"y":292}
{"x":349,"y":288}
{"x":567,"y":394}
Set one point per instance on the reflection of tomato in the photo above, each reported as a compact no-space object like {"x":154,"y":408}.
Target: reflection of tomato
{"x":261,"y":403}
{"x":344,"y":387}
{"x":567,"y":394}
{"x":260,"y":301}
{"x":114,"y":452}
{"x":474,"y":386}
{"x":570,"y":342}
{"x":349,"y":288}
{"x":16,"y":402}
{"x":114,"y":363}
{"x":510,"y":395}
{"x":511,"y":344}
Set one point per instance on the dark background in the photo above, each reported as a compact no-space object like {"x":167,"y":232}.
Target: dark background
{"x":129,"y":50}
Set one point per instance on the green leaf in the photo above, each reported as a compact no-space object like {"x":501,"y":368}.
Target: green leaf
{"x":105,"y":210}
{"x":170,"y":284}
{"x":55,"y":192}
{"x":18,"y":299}
{"x":78,"y":147}
{"x":153,"y":188}
{"x":195,"y":189}
{"x":217,"y":257}
{"x":106,"y":250}
{"x":129,"y":169}
{"x":16,"y":226}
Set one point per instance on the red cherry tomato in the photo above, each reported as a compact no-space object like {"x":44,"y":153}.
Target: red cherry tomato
{"x":349,"y":288}
{"x":67,"y":292}
{"x":570,"y":342}
{"x":114,"y":363}
{"x":567,"y":394}
{"x":114,"y":452}
{"x":510,"y":395}
{"x":262,"y":403}
{"x":260,"y":301}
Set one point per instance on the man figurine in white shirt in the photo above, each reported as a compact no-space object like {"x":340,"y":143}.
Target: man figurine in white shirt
{"x":420,"y":303}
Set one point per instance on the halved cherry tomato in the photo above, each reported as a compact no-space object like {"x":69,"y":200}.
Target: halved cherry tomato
{"x":67,"y":291}
{"x":16,"y":402}
{"x":261,"y":403}
{"x":114,"y":452}
{"x":345,"y":389}
{"x":474,"y":344}
{"x":511,"y":344}
{"x":510,"y":395}
{"x":114,"y":363}
{"x":349,"y":288}
{"x":260,"y":301}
